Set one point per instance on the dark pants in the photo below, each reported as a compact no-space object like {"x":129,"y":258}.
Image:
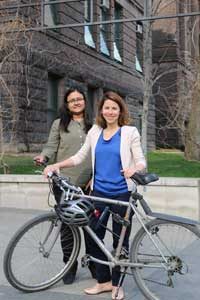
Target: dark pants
{"x":64,"y":232}
{"x":103,"y":271}
{"x":66,"y":246}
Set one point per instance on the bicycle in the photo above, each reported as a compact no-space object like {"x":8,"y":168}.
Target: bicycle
{"x":162,"y":259}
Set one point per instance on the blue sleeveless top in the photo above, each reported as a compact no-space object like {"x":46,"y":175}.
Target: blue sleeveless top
{"x":107,"y":177}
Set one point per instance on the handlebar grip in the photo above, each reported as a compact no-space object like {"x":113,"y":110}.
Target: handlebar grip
{"x":50,"y":174}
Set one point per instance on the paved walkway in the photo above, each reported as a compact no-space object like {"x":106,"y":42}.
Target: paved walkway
{"x":10,"y":220}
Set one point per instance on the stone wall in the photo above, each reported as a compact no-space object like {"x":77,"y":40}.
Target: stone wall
{"x":177,"y":196}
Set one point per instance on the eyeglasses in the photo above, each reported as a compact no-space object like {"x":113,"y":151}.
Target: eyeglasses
{"x":72,"y":101}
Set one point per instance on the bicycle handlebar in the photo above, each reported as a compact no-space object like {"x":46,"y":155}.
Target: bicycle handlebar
{"x":59,"y":180}
{"x":138,"y":178}
{"x":62,"y":182}
{"x":144,"y":179}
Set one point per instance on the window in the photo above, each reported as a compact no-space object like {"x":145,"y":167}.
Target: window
{"x":50,"y":14}
{"x":117,"y":44}
{"x":139,"y":47}
{"x":104,"y":31}
{"x":52,"y":101}
{"x":91,"y":96}
{"x":137,"y":64}
{"x":88,"y":18}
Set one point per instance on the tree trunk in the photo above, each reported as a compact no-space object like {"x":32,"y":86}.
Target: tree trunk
{"x":147,"y":74}
{"x":192,"y":137}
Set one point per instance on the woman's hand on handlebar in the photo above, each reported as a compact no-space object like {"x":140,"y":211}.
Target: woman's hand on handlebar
{"x":128,"y":172}
{"x":51,"y":169}
{"x":40,"y":160}
{"x":67,"y":163}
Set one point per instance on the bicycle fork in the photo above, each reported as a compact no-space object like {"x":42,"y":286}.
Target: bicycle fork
{"x":47,"y":252}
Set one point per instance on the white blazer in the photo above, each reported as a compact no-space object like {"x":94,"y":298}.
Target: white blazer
{"x":130,"y":149}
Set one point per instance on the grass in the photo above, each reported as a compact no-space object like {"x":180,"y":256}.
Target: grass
{"x":18,"y":164}
{"x":172,"y":165}
{"x":162,"y":163}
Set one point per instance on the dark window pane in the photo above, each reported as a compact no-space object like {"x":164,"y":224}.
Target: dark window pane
{"x":117,"y":46}
{"x":88,"y":16}
{"x":104,"y":31}
{"x":52,"y":101}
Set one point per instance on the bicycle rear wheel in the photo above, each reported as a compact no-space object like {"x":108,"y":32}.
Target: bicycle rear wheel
{"x":174,"y":276}
{"x":40,"y":253}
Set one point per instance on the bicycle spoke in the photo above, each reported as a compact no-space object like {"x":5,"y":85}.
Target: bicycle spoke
{"x":40,"y":254}
{"x":179,"y":246}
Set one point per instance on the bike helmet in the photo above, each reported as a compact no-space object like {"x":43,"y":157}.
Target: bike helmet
{"x":76,"y":212}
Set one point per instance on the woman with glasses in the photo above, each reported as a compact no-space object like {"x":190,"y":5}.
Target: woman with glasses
{"x":67,"y":135}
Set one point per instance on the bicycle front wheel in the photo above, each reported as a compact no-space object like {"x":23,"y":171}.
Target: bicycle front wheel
{"x":172,"y":272}
{"x":40,"y":253}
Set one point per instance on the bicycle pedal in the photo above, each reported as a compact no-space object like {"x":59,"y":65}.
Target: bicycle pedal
{"x":118,"y":219}
{"x":85,"y":260}
{"x":124,"y":254}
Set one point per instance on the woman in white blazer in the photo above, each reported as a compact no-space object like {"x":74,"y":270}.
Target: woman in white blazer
{"x":116,"y":155}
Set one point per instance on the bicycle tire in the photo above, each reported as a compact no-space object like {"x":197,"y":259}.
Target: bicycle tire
{"x":180,"y":244}
{"x":27,"y":264}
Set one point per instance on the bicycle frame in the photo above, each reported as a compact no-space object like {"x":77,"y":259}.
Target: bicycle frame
{"x":50,"y":247}
{"x":114,"y":260}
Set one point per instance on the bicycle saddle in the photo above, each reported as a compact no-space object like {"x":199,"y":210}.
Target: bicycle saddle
{"x":145,"y":178}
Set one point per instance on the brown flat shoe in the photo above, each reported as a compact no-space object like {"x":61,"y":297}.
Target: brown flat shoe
{"x":117,"y":294}
{"x":99,"y":288}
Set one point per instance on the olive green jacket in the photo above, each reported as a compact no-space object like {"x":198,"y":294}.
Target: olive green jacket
{"x":62,"y":144}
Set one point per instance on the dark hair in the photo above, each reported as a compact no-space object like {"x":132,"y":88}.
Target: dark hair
{"x":123,"y":117}
{"x":66,"y":116}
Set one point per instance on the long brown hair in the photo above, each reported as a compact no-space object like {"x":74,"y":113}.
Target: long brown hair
{"x":123,"y":117}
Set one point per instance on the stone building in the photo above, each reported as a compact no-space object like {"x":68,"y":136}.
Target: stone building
{"x":175,"y":46}
{"x":40,"y":63}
